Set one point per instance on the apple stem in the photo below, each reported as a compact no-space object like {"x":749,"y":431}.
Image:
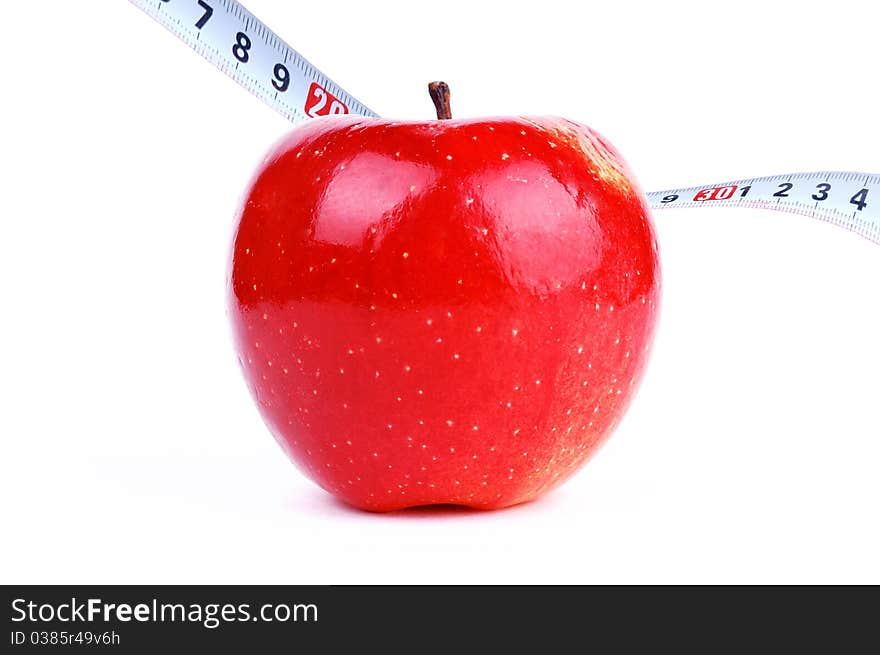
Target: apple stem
{"x":440,"y":95}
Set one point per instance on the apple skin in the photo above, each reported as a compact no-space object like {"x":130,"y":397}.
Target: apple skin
{"x":443,"y":312}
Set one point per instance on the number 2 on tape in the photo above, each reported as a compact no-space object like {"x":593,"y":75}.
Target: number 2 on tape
{"x":320,"y":102}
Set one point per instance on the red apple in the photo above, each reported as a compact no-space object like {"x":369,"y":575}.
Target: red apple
{"x":443,"y":312}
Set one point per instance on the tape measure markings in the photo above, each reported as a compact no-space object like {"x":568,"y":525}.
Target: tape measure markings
{"x":220,"y":31}
{"x":848,"y":199}
{"x":242,"y":47}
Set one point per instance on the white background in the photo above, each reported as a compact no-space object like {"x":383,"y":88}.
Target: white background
{"x":130,"y":451}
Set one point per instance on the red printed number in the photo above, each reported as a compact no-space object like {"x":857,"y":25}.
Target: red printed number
{"x":321,"y":102}
{"x":716,"y":193}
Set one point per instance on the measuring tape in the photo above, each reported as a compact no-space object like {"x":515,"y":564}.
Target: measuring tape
{"x":850,"y":200}
{"x":240,"y":45}
{"x":231,"y":38}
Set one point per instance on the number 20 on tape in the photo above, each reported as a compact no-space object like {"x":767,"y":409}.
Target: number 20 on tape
{"x":320,"y":102}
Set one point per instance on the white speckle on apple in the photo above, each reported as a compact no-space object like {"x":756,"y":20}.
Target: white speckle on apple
{"x":505,"y":156}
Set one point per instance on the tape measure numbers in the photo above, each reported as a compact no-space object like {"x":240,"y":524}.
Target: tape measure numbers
{"x":240,"y":45}
{"x":231,"y":38}
{"x":850,"y":200}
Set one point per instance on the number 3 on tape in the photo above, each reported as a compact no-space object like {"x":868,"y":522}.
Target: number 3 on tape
{"x":320,"y":102}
